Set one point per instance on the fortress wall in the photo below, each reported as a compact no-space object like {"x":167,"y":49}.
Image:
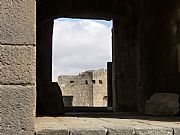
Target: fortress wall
{"x":85,"y":92}
{"x":79,"y":87}
{"x":100,"y":88}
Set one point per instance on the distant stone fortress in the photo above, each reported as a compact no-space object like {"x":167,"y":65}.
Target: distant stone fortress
{"x":89,"y":88}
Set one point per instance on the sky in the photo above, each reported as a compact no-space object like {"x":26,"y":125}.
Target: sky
{"x":80,"y":45}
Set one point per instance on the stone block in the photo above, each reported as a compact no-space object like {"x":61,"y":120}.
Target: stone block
{"x":53,"y":132}
{"x":162,"y":104}
{"x":121,"y":131}
{"x":154,"y":131}
{"x":17,"y":64}
{"x":17,"y":109}
{"x":84,"y":131}
{"x":17,"y":25}
{"x":176,"y":131}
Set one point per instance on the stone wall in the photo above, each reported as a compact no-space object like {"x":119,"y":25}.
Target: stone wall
{"x":124,"y":66}
{"x":159,"y":57}
{"x":100,"y":87}
{"x":79,"y":87}
{"x":17,"y":67}
{"x":88,"y":88}
{"x":145,"y":55}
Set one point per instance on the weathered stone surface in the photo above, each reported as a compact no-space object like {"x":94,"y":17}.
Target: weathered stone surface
{"x":91,"y":86}
{"x":53,"y":132}
{"x":162,"y":104}
{"x":17,"y":64}
{"x":17,"y":109}
{"x":121,"y":131}
{"x":154,"y":131}
{"x":87,"y":131}
{"x":17,"y":25}
{"x":176,"y":131}
{"x":111,"y":124}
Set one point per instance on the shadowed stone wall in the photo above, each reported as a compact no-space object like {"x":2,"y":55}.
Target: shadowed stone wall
{"x":146,"y":55}
{"x":145,"y":47}
{"x":159,"y":56}
{"x":124,"y":66}
{"x":17,"y":67}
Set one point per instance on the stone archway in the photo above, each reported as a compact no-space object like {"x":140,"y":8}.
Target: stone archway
{"x":135,"y":28}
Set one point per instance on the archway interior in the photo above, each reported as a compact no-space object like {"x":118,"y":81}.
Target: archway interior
{"x":145,"y":48}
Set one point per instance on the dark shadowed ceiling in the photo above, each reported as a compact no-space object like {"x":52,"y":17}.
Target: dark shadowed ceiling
{"x":98,"y":9}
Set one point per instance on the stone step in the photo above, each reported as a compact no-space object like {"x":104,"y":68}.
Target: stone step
{"x":109,"y":131}
{"x":104,"y":125}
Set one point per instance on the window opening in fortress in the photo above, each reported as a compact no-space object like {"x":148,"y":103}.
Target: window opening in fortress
{"x":71,"y":81}
{"x":81,"y":50}
{"x":93,"y":81}
{"x":100,"y":82}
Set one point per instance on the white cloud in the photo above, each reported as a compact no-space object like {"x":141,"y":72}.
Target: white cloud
{"x":80,"y":45}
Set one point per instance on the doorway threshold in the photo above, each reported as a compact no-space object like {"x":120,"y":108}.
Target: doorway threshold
{"x":107,"y":124}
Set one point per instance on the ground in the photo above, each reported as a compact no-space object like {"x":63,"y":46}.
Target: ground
{"x":107,"y":124}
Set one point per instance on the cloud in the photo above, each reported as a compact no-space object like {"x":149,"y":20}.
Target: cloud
{"x":80,"y":45}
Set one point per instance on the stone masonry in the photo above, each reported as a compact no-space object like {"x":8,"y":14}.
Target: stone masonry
{"x":17,"y":67}
{"x":145,"y":50}
{"x":89,"y":88}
